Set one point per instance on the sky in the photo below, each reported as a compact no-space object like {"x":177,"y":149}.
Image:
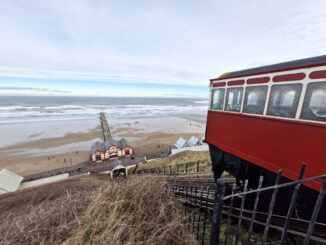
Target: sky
{"x":159,"y":48}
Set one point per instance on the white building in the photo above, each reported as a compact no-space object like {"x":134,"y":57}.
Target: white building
{"x":111,"y":149}
{"x":9,"y":181}
{"x":193,"y":144}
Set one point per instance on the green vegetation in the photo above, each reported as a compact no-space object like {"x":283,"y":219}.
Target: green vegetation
{"x":181,"y":159}
{"x":87,"y":235}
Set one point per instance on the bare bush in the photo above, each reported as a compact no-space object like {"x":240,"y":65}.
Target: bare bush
{"x":45,"y":215}
{"x":138,"y":211}
{"x":93,"y":211}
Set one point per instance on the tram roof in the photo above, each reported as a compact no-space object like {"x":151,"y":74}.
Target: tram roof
{"x":295,"y":64}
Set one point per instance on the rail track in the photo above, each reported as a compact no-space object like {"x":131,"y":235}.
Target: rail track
{"x":195,"y":179}
{"x":190,"y":192}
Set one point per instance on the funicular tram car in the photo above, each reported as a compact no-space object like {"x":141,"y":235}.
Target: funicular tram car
{"x":268,"y":118}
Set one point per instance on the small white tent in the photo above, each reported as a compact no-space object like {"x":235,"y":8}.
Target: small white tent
{"x":193,"y":141}
{"x":181,"y":143}
{"x":9,"y":181}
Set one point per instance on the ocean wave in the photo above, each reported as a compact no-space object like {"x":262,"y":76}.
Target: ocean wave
{"x":201,"y":102}
{"x":16,"y":108}
{"x":60,"y":107}
{"x":74,"y":111}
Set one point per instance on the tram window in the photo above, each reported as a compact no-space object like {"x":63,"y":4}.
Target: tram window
{"x":284,"y":100}
{"x":255,"y":97}
{"x":234,"y":99}
{"x":218,"y":99}
{"x":314,"y":107}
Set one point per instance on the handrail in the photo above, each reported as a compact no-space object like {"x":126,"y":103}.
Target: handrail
{"x":275,"y":186}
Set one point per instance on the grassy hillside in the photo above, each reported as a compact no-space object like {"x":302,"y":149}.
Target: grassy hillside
{"x":190,"y":157}
{"x":93,"y":210}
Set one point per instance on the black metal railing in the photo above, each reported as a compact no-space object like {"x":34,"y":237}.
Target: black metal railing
{"x":225,"y":219}
{"x":197,"y":210}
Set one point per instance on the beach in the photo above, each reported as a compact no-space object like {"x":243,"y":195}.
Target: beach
{"x":31,"y":146}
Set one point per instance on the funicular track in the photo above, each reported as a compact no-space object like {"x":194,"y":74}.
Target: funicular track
{"x":191,"y":193}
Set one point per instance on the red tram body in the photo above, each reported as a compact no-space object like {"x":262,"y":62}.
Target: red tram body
{"x":270,"y":143}
{"x":273,"y":117}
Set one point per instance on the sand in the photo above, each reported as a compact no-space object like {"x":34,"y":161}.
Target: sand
{"x":16,"y":133}
{"x":147,"y":135}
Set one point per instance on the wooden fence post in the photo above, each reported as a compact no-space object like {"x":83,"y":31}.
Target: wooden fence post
{"x":197,"y":166}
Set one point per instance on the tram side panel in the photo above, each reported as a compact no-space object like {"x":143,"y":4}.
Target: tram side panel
{"x":270,"y":143}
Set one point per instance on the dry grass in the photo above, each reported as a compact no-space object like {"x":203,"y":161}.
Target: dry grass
{"x":139,"y":211}
{"x":93,"y":211}
{"x":47,"y":214}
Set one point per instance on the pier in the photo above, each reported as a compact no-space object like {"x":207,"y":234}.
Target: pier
{"x":105,"y":128}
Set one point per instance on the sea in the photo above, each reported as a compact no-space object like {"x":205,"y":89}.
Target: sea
{"x":18,"y":109}
{"x":30,"y":118}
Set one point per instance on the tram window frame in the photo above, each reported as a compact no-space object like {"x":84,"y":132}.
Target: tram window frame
{"x":221,"y":106}
{"x":307,"y":113}
{"x":238,"y":107}
{"x":283,"y":110}
{"x":259,"y":108}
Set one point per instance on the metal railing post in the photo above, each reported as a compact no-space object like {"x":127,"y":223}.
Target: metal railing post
{"x":190,"y":202}
{"x":194,"y":216}
{"x":253,"y":217}
{"x":229,"y":216}
{"x":241,"y":212}
{"x":292,"y":204}
{"x":271,"y":207}
{"x":205,"y":219}
{"x":186,"y":200}
{"x":197,"y":166}
{"x":315,"y":213}
{"x":217,"y":212}
{"x":199,"y":214}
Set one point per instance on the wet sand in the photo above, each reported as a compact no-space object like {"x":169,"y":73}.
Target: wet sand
{"x":147,"y":136}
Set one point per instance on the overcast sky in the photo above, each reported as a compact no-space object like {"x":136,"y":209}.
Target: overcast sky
{"x":148,"y":48}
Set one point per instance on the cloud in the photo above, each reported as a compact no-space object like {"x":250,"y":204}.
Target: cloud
{"x":155,"y":42}
{"x":33,"y":89}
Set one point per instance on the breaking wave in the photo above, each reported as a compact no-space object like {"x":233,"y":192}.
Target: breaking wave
{"x":43,"y":110}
